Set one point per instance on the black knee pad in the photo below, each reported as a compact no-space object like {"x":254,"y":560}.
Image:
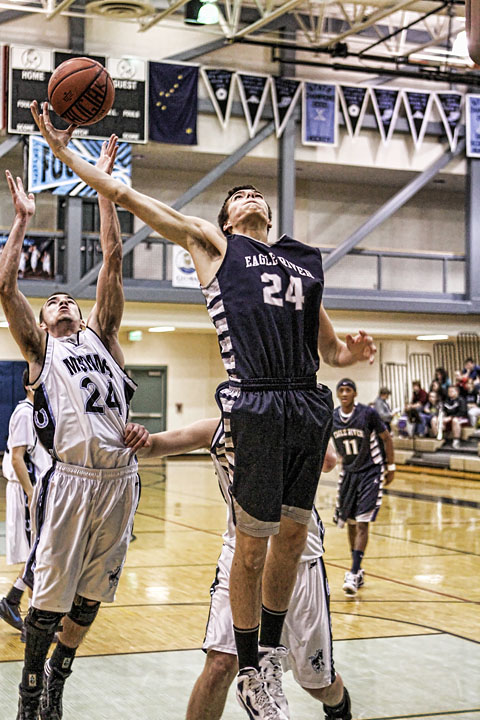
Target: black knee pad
{"x":342,"y":711}
{"x":42,"y":622}
{"x":83,"y":612}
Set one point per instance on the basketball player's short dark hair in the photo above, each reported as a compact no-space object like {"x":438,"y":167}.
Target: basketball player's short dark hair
{"x":40,"y":316}
{"x":223,"y":214}
{"x":25,"y":378}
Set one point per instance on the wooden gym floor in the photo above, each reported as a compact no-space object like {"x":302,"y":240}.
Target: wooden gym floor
{"x":407,"y":646}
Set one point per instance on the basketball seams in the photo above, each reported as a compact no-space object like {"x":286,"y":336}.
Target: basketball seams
{"x":73,"y":72}
{"x":95,"y":118}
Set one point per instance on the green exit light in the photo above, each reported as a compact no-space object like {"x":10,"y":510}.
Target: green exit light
{"x":135,"y":335}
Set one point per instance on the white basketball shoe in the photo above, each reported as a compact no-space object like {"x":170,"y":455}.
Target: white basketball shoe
{"x":254,"y":698}
{"x":350,"y":583}
{"x":270,"y":661}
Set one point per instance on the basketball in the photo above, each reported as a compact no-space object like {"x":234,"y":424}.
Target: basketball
{"x":81,"y":91}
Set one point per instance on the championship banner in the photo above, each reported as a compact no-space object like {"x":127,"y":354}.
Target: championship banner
{"x":319,"y":117}
{"x":472,"y":125}
{"x":354,"y":101}
{"x":183,"y":270}
{"x":285,"y":93}
{"x":418,"y":106}
{"x":46,"y":172}
{"x":253,"y":94}
{"x":219,"y":84}
{"x":173,"y":93}
{"x":386,"y":104}
{"x":450,"y":109}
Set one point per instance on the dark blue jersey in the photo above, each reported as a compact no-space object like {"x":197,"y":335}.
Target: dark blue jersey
{"x":265,"y":304}
{"x":356,"y":438}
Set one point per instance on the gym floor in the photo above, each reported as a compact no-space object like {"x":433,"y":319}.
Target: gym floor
{"x":407,"y":646}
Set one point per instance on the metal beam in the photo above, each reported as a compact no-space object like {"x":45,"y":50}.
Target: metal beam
{"x":392,"y":205}
{"x":147,"y":24}
{"x":198,"y":51}
{"x":8,"y":144}
{"x":472,"y":231}
{"x":268,"y":17}
{"x":286,"y":156}
{"x":73,"y":239}
{"x":184,"y":199}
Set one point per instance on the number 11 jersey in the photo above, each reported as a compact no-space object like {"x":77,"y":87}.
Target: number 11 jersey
{"x":81,"y":402}
{"x":265,"y":302}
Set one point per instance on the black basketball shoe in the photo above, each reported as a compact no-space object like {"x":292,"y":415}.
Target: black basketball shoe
{"x":51,"y":705}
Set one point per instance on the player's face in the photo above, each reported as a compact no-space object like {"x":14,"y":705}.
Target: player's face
{"x":346,"y":395}
{"x":244,"y":205}
{"x":61,"y":310}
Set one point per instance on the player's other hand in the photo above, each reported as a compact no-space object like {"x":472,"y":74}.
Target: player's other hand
{"x":24,"y":204}
{"x":389,"y":476}
{"x":136,"y":437}
{"x":361,"y":347}
{"x":57,"y":139}
{"x":108,"y":154}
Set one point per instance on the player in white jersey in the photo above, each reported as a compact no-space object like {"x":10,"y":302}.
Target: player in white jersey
{"x":84,"y":505}
{"x":307,"y":630}
{"x":24,"y":463}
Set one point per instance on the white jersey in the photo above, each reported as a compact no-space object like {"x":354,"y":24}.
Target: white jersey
{"x":314,"y":544}
{"x":81,"y":402}
{"x":21,"y":433}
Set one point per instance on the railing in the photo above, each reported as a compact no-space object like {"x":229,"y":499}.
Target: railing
{"x":377,"y":272}
{"x":365,"y":269}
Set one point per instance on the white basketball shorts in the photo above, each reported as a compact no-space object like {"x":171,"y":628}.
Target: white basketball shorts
{"x":307,"y":630}
{"x":16,"y":538}
{"x":83,"y":529}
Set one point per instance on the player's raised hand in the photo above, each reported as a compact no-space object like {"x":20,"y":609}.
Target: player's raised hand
{"x":24,"y":204}
{"x":361,"y":347}
{"x":57,"y":139}
{"x":108,"y":154}
{"x":136,"y":436}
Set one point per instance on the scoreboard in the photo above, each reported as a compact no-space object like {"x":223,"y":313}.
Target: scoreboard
{"x":30,"y":70}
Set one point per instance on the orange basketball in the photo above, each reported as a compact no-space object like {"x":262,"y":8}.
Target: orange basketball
{"x":81,"y":91}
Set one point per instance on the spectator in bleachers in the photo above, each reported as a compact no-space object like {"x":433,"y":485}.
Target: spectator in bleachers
{"x":471,"y":370}
{"x":382,"y":406}
{"x":442,"y":382}
{"x":471,"y":396}
{"x":431,"y":410}
{"x":436,"y":387}
{"x":454,"y":415}
{"x":411,"y":422}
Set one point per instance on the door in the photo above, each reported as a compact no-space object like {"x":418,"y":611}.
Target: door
{"x":149,"y":404}
{"x":11,"y":392}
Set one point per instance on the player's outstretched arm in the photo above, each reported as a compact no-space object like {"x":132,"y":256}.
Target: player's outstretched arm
{"x":201,"y":238}
{"x":106,"y":315}
{"x":174,"y":442}
{"x":20,"y":468}
{"x":335,"y":352}
{"x":23,"y":326}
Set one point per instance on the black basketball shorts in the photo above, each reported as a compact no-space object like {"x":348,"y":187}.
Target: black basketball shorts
{"x":276,"y":436}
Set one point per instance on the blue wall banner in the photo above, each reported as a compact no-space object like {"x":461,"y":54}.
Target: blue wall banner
{"x":450,"y":108}
{"x":253,"y":94}
{"x":386,"y":104}
{"x":472,"y":125}
{"x":285,"y":93}
{"x":319,"y":118}
{"x":173,"y":93}
{"x":219,"y":84}
{"x":353,"y":100}
{"x":46,"y":172}
{"x":417,"y":105}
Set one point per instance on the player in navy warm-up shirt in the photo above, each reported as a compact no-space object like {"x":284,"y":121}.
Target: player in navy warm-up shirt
{"x":265,"y":301}
{"x":358,"y":432}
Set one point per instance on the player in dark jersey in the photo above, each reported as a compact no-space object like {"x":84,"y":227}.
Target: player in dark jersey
{"x":265,"y":300}
{"x":356,"y":432}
